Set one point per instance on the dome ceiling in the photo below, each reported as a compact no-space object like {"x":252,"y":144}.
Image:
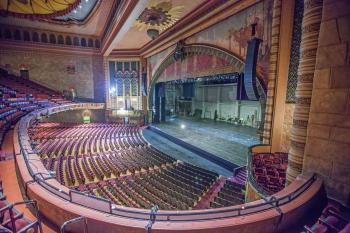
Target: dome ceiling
{"x":37,"y":9}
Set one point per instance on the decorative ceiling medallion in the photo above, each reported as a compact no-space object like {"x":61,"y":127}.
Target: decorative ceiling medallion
{"x":158,"y":16}
{"x":37,"y":9}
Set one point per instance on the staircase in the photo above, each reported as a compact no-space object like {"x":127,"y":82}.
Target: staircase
{"x":241,"y":177}
{"x":204,"y":202}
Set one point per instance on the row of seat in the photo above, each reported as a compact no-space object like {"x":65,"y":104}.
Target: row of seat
{"x":18,"y":97}
{"x":230,"y":194}
{"x":177,"y":186}
{"x":269,"y":170}
{"x":81,"y":169}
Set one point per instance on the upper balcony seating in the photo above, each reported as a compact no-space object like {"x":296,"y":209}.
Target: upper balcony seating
{"x":269,"y":170}
{"x":11,"y":220}
{"x":17,"y":98}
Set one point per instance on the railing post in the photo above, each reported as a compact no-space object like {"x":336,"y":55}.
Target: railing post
{"x":152,"y":219}
{"x":74,"y":220}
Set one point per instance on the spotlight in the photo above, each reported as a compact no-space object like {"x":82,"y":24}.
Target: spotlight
{"x":183,"y":126}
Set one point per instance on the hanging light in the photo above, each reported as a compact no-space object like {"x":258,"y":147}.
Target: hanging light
{"x":152,"y":33}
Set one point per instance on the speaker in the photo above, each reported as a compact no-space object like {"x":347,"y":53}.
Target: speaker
{"x":250,"y":69}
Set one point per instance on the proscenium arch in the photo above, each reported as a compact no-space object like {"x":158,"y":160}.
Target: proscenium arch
{"x":192,"y":50}
{"x":199,"y":49}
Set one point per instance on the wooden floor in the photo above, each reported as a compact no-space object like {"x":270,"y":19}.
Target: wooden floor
{"x":11,"y":187}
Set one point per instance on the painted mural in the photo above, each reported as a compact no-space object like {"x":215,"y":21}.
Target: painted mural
{"x":231,"y":34}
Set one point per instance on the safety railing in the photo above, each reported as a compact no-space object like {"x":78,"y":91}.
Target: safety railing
{"x":106,"y":206}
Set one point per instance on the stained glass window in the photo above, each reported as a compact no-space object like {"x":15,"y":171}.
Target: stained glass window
{"x":134,"y":83}
{"x":119,"y":79}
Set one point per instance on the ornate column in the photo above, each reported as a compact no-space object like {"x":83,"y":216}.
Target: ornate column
{"x":272,"y":75}
{"x":308,"y":49}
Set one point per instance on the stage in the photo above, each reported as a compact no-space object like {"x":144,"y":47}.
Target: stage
{"x":224,"y":140}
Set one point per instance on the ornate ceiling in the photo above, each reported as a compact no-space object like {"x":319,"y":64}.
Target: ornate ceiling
{"x":37,"y":9}
{"x":86,"y":17}
{"x":158,"y":14}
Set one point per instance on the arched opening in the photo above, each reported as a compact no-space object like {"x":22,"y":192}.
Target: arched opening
{"x":76,"y":41}
{"x":52,"y":39}
{"x":97,"y":44}
{"x":83,"y":42}
{"x":26,"y":36}
{"x":68,"y":40}
{"x":7,"y":34}
{"x":44,"y":38}
{"x":90,"y":43}
{"x":17,"y":35}
{"x":35,"y":37}
{"x":60,"y":39}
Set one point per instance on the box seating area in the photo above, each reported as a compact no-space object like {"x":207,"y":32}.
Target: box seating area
{"x":334,"y":218}
{"x":269,"y":170}
{"x":230,"y":194}
{"x":11,"y":220}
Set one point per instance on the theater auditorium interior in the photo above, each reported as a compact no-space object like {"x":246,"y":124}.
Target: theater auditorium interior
{"x":161,"y":116}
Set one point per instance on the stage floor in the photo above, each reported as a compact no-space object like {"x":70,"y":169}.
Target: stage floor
{"x":222,"y":139}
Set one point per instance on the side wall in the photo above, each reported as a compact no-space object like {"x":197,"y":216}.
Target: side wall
{"x":327,"y":150}
{"x":52,"y":70}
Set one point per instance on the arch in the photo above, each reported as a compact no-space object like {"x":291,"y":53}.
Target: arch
{"x":68,"y":40}
{"x":97,"y":43}
{"x":7,"y":34}
{"x":76,"y":41}
{"x":17,"y":35}
{"x":83,"y":42}
{"x":191,"y":50}
{"x":52,"y":39}
{"x":44,"y":38}
{"x":26,"y":36}
{"x":35,"y":37}
{"x":60,"y":39}
{"x":90,"y":43}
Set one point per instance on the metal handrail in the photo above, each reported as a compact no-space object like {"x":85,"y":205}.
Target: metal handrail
{"x":74,"y":220}
{"x":145,"y":214}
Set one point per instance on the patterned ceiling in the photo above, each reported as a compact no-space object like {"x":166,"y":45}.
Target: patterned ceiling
{"x":88,"y":18}
{"x":159,"y":15}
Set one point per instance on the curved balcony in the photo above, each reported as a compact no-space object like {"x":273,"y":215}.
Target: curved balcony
{"x":58,"y":203}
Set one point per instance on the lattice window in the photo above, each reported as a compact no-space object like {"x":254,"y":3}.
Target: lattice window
{"x":127,"y":83}
{"x":134,"y":83}
{"x":119,"y":81}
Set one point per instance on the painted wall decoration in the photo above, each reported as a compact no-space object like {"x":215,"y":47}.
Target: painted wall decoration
{"x":231,"y":34}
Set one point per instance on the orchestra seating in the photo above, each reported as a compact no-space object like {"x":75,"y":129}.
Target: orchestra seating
{"x":334,"y":218}
{"x":230,"y":194}
{"x":19,"y":96}
{"x":115,"y":162}
{"x":269,"y":170}
{"x":14,"y":221}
